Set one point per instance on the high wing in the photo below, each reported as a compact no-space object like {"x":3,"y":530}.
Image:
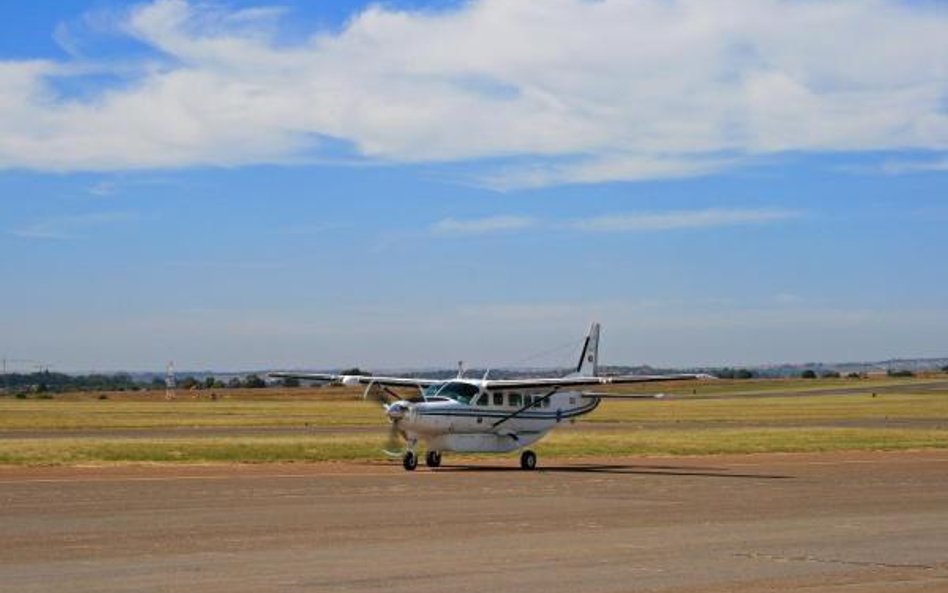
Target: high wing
{"x":582,"y":381}
{"x":356,"y":379}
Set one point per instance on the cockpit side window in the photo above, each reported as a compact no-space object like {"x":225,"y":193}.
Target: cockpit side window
{"x":458,"y":391}
{"x":432,"y":390}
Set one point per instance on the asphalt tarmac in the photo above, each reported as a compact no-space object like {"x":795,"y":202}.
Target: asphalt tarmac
{"x":848,"y":522}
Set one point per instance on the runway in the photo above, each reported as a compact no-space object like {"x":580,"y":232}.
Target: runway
{"x":853,"y":522}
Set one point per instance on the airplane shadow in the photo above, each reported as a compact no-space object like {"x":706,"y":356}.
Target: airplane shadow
{"x":614,"y":468}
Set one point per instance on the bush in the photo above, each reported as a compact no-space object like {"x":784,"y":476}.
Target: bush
{"x":728,"y":373}
{"x":254,"y":382}
{"x":808,"y":374}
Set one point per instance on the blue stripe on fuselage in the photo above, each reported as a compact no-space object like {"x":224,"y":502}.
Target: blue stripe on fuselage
{"x":531,"y":415}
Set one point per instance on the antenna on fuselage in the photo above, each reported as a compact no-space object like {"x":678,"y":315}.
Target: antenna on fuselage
{"x":460,"y":369}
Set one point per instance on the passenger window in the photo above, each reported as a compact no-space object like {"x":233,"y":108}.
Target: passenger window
{"x":546,"y":403}
{"x":514,"y":399}
{"x":498,"y":399}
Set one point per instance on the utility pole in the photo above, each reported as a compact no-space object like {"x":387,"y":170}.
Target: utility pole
{"x":170,"y":382}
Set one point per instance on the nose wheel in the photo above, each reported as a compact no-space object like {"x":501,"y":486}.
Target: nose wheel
{"x":528,"y":460}
{"x":433,"y":459}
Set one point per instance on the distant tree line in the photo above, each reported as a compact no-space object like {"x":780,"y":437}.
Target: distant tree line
{"x":811,"y":374}
{"x":729,"y":373}
{"x":46,"y":381}
{"x":252,"y":381}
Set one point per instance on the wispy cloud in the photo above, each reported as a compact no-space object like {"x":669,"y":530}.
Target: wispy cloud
{"x":915,"y":166}
{"x":609,"y":90}
{"x":680,"y":219}
{"x":71,"y":227}
{"x":103,"y":188}
{"x":618,"y":223}
{"x":480,"y":226}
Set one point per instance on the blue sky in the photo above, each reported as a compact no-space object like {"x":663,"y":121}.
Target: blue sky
{"x":236,"y":185}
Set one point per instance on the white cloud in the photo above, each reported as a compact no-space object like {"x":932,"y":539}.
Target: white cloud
{"x":68,"y":227}
{"x":103,"y":188}
{"x":681,"y":219}
{"x":480,"y":226}
{"x":915,"y":166}
{"x":585,"y":91}
{"x":617,"y":223}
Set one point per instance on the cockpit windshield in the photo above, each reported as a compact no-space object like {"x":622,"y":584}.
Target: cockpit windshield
{"x":456,"y":390}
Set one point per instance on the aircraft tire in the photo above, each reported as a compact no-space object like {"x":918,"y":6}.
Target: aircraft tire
{"x":433,"y":459}
{"x":528,"y":460}
{"x":410,"y":461}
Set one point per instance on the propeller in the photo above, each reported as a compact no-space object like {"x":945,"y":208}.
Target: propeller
{"x":394,"y":411}
{"x":393,"y":444}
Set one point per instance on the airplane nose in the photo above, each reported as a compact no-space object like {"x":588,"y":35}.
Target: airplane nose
{"x":396,"y":411}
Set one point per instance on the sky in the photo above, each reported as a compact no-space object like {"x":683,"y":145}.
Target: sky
{"x":237,"y":185}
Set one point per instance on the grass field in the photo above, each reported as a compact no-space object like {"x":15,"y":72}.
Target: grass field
{"x":823,"y":415}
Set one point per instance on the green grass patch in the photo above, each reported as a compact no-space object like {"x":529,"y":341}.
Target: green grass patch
{"x":109,"y":414}
{"x":197,"y":450}
{"x":367,"y":447}
{"x":751,"y":440}
{"x":778,"y":410}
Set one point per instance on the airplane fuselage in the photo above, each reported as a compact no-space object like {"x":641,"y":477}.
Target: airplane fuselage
{"x":462,"y":416}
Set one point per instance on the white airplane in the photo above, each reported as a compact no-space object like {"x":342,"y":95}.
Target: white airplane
{"x":487,"y":415}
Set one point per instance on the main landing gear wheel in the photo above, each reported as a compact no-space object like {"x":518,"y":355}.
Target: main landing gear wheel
{"x":410,"y":460}
{"x":528,"y":460}
{"x":433,"y":459}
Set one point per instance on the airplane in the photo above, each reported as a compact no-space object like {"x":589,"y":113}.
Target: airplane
{"x":465,"y":415}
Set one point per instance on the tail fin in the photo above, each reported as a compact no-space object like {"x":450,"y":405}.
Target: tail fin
{"x":589,"y":360}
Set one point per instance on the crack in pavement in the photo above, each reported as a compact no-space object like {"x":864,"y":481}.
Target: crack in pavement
{"x":817,"y":560}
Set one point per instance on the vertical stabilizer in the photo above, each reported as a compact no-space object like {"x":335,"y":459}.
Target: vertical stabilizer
{"x":589,"y":360}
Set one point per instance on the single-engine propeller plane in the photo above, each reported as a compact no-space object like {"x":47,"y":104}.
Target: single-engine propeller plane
{"x":486,"y":415}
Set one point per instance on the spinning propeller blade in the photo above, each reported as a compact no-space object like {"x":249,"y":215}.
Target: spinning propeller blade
{"x":394,"y":411}
{"x":393,"y":445}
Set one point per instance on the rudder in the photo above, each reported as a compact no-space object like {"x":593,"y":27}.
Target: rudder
{"x":589,"y":360}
